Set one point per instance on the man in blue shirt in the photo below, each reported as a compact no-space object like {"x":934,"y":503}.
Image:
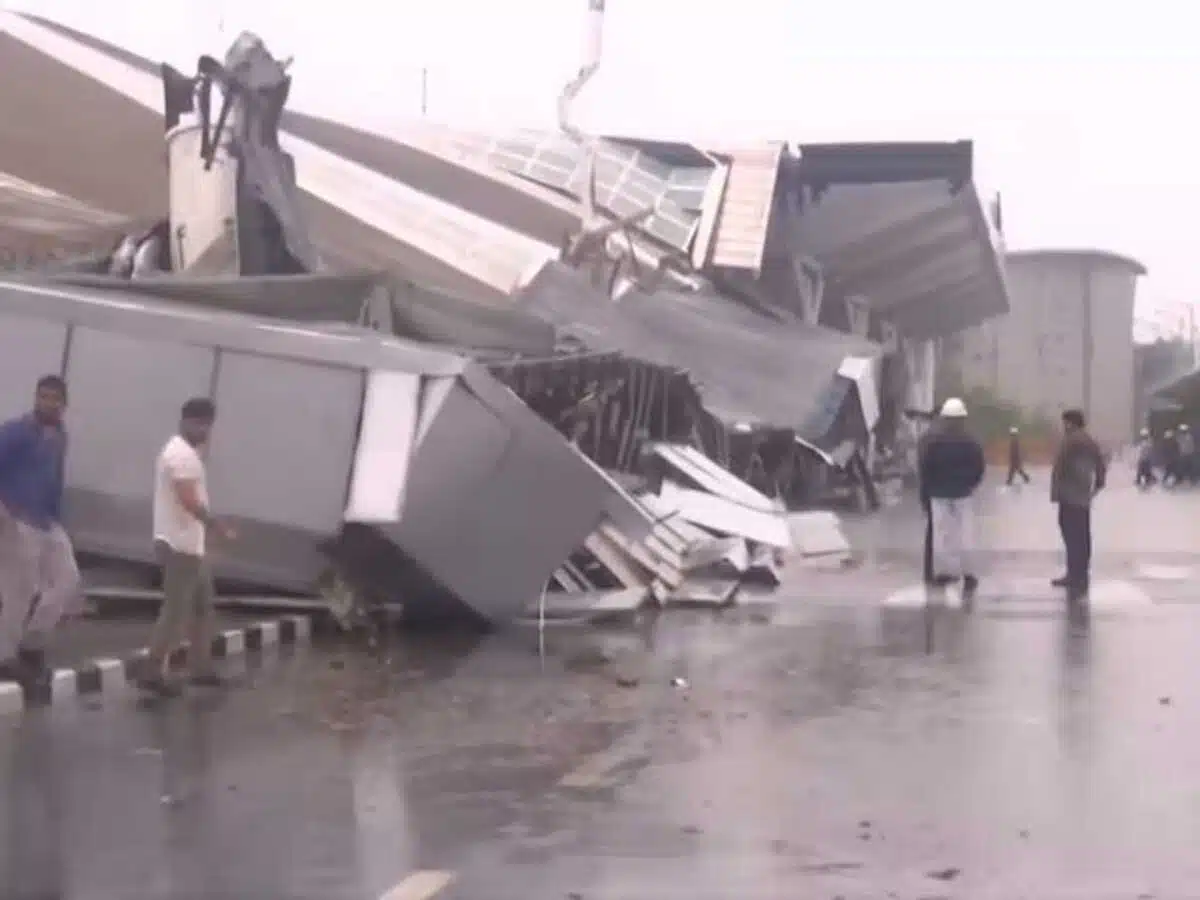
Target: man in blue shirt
{"x":39,"y":579}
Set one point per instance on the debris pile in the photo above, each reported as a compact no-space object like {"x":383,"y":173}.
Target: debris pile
{"x":690,"y":533}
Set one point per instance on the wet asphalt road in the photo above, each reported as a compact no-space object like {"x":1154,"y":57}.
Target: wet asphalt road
{"x":858,"y":740}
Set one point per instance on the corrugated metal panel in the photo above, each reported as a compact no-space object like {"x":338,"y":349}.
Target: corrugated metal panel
{"x":29,"y":208}
{"x":746,"y":207}
{"x":747,"y":368}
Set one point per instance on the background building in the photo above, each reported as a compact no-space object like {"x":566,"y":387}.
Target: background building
{"x":1066,"y":341}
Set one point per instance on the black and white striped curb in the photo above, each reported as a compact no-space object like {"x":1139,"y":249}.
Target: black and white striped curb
{"x":104,"y":675}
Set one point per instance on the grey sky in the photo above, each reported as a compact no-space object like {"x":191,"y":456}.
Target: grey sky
{"x":1081,"y":119}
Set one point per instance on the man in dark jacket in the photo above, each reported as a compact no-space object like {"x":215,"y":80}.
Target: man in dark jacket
{"x":952,"y":467}
{"x":1079,"y":474}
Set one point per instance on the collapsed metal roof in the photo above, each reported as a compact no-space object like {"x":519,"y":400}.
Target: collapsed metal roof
{"x":98,"y":99}
{"x":902,"y":226}
{"x":748,"y":368}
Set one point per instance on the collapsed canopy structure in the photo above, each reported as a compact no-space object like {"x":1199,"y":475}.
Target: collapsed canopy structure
{"x":781,"y":278}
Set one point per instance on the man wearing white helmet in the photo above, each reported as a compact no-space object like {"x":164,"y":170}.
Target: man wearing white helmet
{"x":951,"y":467}
{"x":1016,"y":465}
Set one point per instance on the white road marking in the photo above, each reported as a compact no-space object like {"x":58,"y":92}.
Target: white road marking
{"x":64,"y":684}
{"x":12,"y":700}
{"x":112,"y":674}
{"x":420,"y":885}
{"x":270,"y":633}
{"x":1014,"y":594}
{"x":235,"y":642}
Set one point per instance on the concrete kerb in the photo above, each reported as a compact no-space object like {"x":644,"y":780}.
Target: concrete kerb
{"x":99,"y":676}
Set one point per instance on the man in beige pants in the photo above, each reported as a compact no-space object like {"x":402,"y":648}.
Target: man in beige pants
{"x":39,"y":580}
{"x":182,"y":526}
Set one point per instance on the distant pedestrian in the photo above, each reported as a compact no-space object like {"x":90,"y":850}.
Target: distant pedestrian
{"x":1145,"y":460}
{"x":1015,"y":464}
{"x":952,"y":468}
{"x":1187,"y":454}
{"x":39,"y":579}
{"x":1169,"y":452}
{"x":1079,"y":474}
{"x":183,"y":521}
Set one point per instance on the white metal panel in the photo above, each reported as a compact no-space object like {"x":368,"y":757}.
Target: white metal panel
{"x":746,"y":207}
{"x":711,"y":477}
{"x":29,"y":349}
{"x":385,"y":445}
{"x":485,"y":251}
{"x":125,"y":397}
{"x":861,"y":370}
{"x":283,"y":446}
{"x":724,"y":516}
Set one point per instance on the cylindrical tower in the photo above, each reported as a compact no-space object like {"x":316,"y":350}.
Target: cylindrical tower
{"x":1068,"y":337}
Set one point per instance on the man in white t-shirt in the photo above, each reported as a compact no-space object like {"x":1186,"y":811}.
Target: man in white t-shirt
{"x":183,"y":524}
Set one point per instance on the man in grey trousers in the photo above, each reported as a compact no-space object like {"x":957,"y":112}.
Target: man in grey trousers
{"x":182,"y":525}
{"x":39,"y":579}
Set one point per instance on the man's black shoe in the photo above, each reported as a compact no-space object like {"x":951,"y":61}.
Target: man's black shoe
{"x":1062,"y":581}
{"x":11,"y":671}
{"x":943,"y":580}
{"x":970,"y":584}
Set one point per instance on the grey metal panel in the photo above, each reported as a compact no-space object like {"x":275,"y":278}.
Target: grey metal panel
{"x":125,"y":396}
{"x":29,"y":349}
{"x":496,"y":501}
{"x":126,"y":393}
{"x":748,"y":368}
{"x":164,"y":320}
{"x":284,"y":441}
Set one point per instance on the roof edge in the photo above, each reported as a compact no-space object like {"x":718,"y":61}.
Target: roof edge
{"x":1082,"y":254}
{"x":885,"y":162}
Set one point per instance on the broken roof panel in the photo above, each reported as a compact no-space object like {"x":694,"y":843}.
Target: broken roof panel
{"x":116,"y":100}
{"x":413,"y":311}
{"x":627,"y":179}
{"x":747,"y":367}
{"x":903,"y":226}
{"x":747,"y":204}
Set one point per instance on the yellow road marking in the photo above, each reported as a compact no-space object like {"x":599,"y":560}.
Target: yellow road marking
{"x":420,"y":885}
{"x":597,"y":769}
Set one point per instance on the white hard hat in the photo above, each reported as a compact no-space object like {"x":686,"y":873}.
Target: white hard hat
{"x":1183,"y":427}
{"x":1145,"y":432}
{"x":954,"y":408}
{"x":1169,"y":433}
{"x":1013,"y":430}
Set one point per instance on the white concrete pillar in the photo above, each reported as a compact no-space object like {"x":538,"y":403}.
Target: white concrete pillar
{"x":919,"y":361}
{"x":858,"y":310}
{"x":810,"y":282}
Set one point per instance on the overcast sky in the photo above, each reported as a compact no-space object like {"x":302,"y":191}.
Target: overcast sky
{"x":1083,"y":115}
